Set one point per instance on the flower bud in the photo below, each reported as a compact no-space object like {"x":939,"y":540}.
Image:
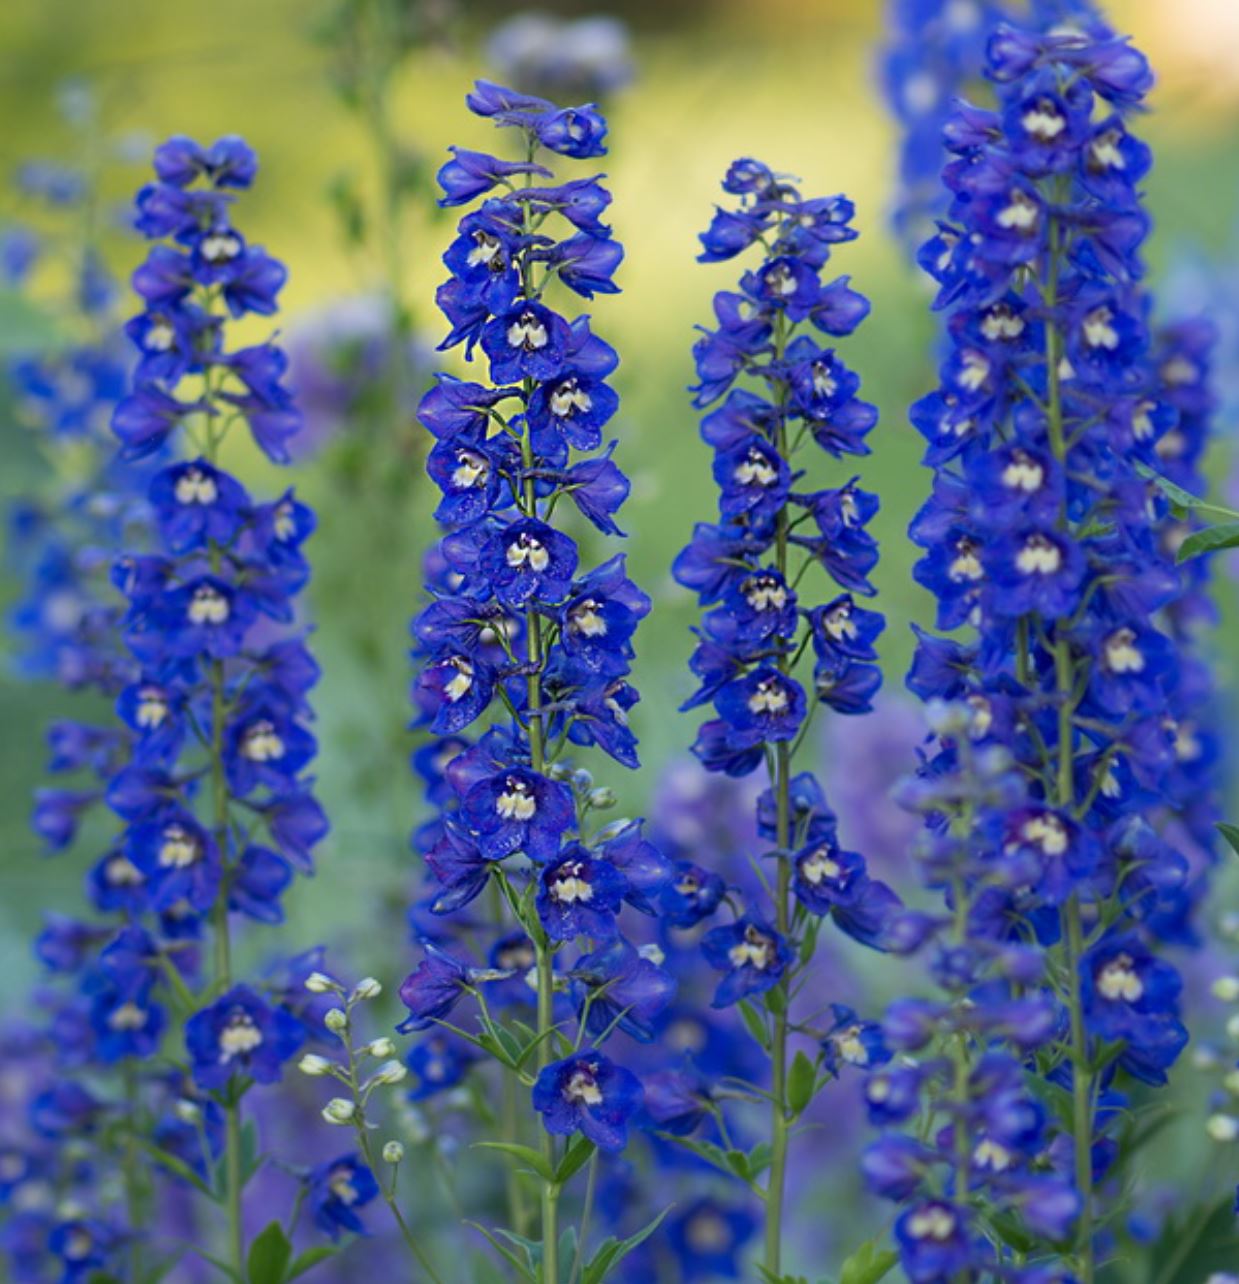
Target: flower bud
{"x":582,"y":779}
{"x":383,"y":1047}
{"x":339,"y":1110}
{"x":393,"y":1152}
{"x":1231,"y":1083}
{"x":390,"y":1072}
{"x":1232,"y":1028}
{"x":336,"y":1020}
{"x":187,"y":1111}
{"x":313,"y":1064}
{"x":1226,"y":988}
{"x":653,"y":952}
{"x":320,"y":983}
{"x":367,"y":988}
{"x":1222,"y":1128}
{"x":602,"y":798}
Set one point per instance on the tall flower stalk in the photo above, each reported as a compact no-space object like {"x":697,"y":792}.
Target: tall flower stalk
{"x":1044,"y":537}
{"x":516,"y":629}
{"x":760,"y":631}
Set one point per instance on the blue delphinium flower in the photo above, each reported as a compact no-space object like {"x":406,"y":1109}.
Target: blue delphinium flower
{"x":337,"y":1189}
{"x":1045,"y":537}
{"x":747,"y":571}
{"x":525,"y":651}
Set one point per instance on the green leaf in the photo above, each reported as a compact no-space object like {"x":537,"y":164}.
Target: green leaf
{"x":175,"y":1164}
{"x":1210,"y":540}
{"x":776,"y":1000}
{"x":309,"y":1259}
{"x":1192,"y":1247}
{"x":269,"y":1256}
{"x":526,"y":1154}
{"x":759,"y":1159}
{"x":575,"y":1158}
{"x":1231,"y":834}
{"x":251,"y":1159}
{"x":1176,"y":494}
{"x":801,"y":1083}
{"x":754,"y":1023}
{"x":868,"y":1264}
{"x":522,"y":1269}
{"x":612,"y":1251}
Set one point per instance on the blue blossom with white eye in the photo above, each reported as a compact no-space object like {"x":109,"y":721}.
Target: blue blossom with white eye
{"x":590,"y":1094}
{"x":336,"y":1190}
{"x":241,"y":1034}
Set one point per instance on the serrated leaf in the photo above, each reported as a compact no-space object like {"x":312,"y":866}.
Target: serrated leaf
{"x":1210,"y":540}
{"x":526,"y":1154}
{"x":801,"y":1083}
{"x":1231,"y":834}
{"x":612,"y":1251}
{"x":868,"y":1264}
{"x":269,"y":1256}
{"x":575,"y":1158}
{"x":309,"y":1259}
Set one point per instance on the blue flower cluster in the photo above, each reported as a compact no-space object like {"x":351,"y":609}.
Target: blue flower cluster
{"x":1047,"y":540}
{"x":934,"y":55}
{"x":207,"y":770}
{"x":757,"y":626}
{"x":516,"y":625}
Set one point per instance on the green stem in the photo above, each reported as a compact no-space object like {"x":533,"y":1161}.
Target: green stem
{"x":131,"y":1171}
{"x":1072,"y":929}
{"x":780,"y":1113}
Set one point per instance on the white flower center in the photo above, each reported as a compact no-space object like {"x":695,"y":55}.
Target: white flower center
{"x":769,"y":697}
{"x":586,"y":619}
{"x":128,"y":1016}
{"x":207,"y":606}
{"x":1122,"y":653}
{"x":1099,"y":331}
{"x":934,"y":1222}
{"x":1039,"y":556}
{"x":262,"y":743}
{"x":992,"y":1155}
{"x":527,"y":332}
{"x":485,"y":251}
{"x":219,"y":247}
{"x":755,"y":469}
{"x":516,"y":802}
{"x":1000,"y":322}
{"x":582,"y":1089}
{"x":820,"y":866}
{"x":161,"y":336}
{"x":152,"y":707}
{"x":1047,"y":832}
{"x":764,"y":593}
{"x":824,"y":382}
{"x":1104,"y":151}
{"x":471,"y":470}
{"x":708,"y":1233}
{"x":285,"y":526}
{"x":966,"y":565}
{"x":838,"y":622}
{"x":1043,"y":121}
{"x":569,"y":886}
{"x":780,"y":281}
{"x":1023,"y":473}
{"x":1020,"y":214}
{"x":238,"y":1037}
{"x":976,"y":368}
{"x":568,"y":398}
{"x":120,"y":871}
{"x":756,"y":950}
{"x":458,"y":687}
{"x":179,"y":848}
{"x":1117,"y":981}
{"x":194,"y":486}
{"x":340,"y":1183}
{"x":528,"y":551}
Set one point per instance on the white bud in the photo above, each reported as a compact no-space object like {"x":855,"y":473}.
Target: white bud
{"x":187,"y":1111}
{"x":383,"y":1047}
{"x":653,"y":952}
{"x":1226,"y":988}
{"x":367,"y":988}
{"x":602,"y":798}
{"x":1205,"y":1057}
{"x":390,"y":1072}
{"x":336,"y":1020}
{"x":1231,"y":1083}
{"x":320,"y":983}
{"x":393,"y":1152}
{"x":582,"y":779}
{"x":1222,"y":1128}
{"x":313,"y":1064}
{"x":339,"y":1110}
{"x":1232,"y":1027}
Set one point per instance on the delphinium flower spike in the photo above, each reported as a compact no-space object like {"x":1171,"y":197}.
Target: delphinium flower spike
{"x":208,"y":777}
{"x":749,"y":569}
{"x":520,"y":639}
{"x":1045,"y":538}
